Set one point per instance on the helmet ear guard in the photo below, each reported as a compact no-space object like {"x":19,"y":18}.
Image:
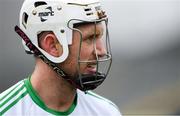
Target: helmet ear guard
{"x":36,"y":17}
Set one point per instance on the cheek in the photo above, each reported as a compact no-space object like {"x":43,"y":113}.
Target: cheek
{"x":86,"y":52}
{"x":85,"y":55}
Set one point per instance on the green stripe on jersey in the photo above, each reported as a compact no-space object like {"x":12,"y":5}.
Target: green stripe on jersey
{"x":9,"y":90}
{"x":13,"y":103}
{"x":13,"y":95}
{"x":102,"y":98}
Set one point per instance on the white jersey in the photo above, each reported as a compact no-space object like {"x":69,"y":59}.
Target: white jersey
{"x":21,"y":100}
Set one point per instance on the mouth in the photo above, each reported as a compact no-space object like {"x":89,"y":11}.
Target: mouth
{"x":91,"y":69}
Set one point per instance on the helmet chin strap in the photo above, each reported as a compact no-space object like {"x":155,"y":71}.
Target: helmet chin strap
{"x":83,"y":82}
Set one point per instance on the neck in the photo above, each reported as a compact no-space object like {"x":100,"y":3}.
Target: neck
{"x":55,"y":92}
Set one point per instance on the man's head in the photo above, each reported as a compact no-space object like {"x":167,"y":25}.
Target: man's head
{"x":72,"y":34}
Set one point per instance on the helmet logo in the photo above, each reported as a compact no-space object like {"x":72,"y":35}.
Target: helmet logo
{"x":42,"y":15}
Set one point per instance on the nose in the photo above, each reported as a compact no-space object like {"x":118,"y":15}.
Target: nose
{"x":100,"y":48}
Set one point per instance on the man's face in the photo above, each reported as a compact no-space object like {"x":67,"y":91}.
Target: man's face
{"x":90,"y":49}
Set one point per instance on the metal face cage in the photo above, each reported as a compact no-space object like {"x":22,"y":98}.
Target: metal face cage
{"x":101,"y":62}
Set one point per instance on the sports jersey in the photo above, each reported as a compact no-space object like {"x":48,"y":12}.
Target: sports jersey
{"x":21,"y":99}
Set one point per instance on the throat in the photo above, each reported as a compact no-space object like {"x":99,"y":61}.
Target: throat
{"x":62,"y":105}
{"x":55,"y":92}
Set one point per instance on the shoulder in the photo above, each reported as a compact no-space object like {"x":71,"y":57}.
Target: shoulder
{"x":101,"y":103}
{"x":10,"y":90}
{"x":11,"y":96}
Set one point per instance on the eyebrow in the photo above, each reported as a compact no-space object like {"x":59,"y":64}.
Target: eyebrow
{"x":91,"y":32}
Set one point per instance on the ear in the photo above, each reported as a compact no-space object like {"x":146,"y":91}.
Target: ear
{"x":51,"y":45}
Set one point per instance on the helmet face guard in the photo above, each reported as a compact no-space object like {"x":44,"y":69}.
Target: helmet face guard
{"x":102,"y":63}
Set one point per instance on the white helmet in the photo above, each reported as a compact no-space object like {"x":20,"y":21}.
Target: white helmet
{"x":53,"y":15}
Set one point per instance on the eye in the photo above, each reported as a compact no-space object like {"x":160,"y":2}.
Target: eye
{"x":94,"y":36}
{"x":90,"y":38}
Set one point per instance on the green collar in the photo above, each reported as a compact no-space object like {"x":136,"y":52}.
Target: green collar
{"x":35,"y":97}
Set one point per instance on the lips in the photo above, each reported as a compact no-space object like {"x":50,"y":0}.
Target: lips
{"x":91,"y":69}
